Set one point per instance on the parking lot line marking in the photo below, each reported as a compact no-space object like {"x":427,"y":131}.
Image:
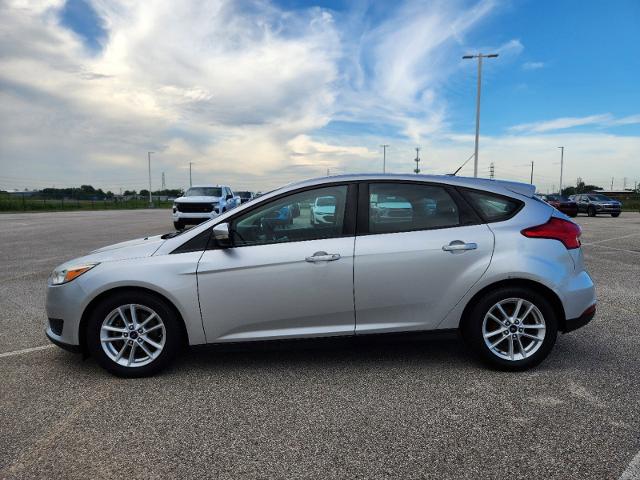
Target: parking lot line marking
{"x":610,"y":248}
{"x":614,"y":238}
{"x":25,"y":350}
{"x":633,"y":469}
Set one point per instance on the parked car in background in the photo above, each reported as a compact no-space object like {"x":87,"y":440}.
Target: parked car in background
{"x":490,"y":261}
{"x":202,"y":202}
{"x":323,"y":211}
{"x":562,"y":203}
{"x":594,"y":203}
{"x":245,"y":196}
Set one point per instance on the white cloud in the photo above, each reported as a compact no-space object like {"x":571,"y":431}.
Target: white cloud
{"x":561,"y":123}
{"x":218,"y":82}
{"x":533,"y":65}
{"x":242,"y":88}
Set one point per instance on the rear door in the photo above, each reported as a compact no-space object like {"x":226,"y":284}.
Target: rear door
{"x":421,"y":250}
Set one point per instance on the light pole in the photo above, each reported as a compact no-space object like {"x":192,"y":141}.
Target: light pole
{"x":479,"y":56}
{"x":561,"y":167}
{"x":417,"y":160}
{"x":531,"y":172}
{"x":190,"y":181}
{"x":149,"y":160}
{"x":384,"y":157}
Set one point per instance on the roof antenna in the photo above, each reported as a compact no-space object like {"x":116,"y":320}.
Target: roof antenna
{"x":460,"y":167}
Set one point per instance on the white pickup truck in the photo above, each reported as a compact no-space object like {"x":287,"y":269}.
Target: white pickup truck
{"x":202,"y":202}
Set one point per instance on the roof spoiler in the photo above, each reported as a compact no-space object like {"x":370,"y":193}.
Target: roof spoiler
{"x":525,"y":189}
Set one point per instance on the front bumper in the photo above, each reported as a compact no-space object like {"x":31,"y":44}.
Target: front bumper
{"x":608,"y":208}
{"x":57,"y":340}
{"x":193,"y":218}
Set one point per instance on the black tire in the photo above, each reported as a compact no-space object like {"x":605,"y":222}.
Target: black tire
{"x":174,"y":338}
{"x":573,"y":215}
{"x":471,"y":328}
{"x":591,"y":212}
{"x":178,"y":225}
{"x":615,"y":214}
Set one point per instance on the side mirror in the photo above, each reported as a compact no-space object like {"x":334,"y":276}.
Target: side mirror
{"x":221,"y":235}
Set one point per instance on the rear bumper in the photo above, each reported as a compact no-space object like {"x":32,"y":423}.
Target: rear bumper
{"x":571,"y":324}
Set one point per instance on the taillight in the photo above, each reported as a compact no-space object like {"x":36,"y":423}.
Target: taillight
{"x":556,"y":229}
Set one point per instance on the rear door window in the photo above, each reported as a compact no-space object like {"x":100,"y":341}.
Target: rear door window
{"x":493,"y":207}
{"x":405,"y":207}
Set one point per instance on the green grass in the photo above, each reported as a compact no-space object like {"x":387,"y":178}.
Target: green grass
{"x":11,"y":204}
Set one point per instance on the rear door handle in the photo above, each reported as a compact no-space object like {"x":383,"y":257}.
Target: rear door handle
{"x":459,"y":245}
{"x":323,"y":257}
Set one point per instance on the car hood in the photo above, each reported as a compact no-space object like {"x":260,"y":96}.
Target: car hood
{"x":197,"y":199}
{"x":327,"y":209}
{"x":140,"y":247}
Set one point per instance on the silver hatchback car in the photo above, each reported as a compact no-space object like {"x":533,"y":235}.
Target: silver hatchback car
{"x":396,"y":253}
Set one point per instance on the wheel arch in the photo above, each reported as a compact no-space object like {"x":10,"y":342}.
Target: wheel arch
{"x":91,"y":306}
{"x":523,"y":283}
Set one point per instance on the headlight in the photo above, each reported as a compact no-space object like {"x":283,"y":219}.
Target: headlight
{"x":65,"y":275}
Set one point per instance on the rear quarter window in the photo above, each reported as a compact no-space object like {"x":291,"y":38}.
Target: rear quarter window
{"x":493,"y":207}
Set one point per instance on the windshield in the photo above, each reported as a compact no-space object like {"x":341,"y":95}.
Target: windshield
{"x":599,"y":198}
{"x":204,"y":192}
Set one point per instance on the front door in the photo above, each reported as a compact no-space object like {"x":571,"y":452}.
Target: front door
{"x":420,"y":255}
{"x":283,"y":276}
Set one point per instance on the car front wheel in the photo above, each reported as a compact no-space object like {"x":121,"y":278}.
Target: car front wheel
{"x":591,"y":212}
{"x":615,"y":214}
{"x":133,"y":334}
{"x":511,"y":328}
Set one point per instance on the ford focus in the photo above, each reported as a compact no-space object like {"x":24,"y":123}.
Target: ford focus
{"x":399,"y":253}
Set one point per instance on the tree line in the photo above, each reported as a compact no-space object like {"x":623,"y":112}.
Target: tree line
{"x":88,"y":192}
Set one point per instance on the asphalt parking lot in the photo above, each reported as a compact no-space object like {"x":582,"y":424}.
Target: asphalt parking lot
{"x":410,"y":409}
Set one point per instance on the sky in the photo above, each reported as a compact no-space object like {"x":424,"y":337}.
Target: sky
{"x":257,"y":94}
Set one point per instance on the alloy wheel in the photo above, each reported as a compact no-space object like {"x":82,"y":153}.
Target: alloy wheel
{"x":513,"y":329}
{"x":132,"y":335}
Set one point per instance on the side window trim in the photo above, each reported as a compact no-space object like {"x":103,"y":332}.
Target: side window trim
{"x":349,"y":224}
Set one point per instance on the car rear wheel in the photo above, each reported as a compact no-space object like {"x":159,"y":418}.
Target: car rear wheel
{"x":591,"y":212}
{"x":511,"y":328}
{"x":133,"y":334}
{"x":178,"y":225}
{"x":615,"y":214}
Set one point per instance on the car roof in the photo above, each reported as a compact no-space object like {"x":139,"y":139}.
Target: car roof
{"x":496,"y":186}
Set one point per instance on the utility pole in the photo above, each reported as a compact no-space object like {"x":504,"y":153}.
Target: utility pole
{"x":327,"y":172}
{"x":561,"y":167}
{"x":190,"y":180}
{"x":384,"y":157}
{"x":149,"y":159}
{"x":611,"y":183}
{"x":492,"y":171}
{"x":164,"y":186}
{"x":624,"y":183}
{"x":417,"y":160}
{"x":479,"y":56}
{"x":531,"y":172}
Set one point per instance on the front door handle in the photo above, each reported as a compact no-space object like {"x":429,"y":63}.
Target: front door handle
{"x":459,"y":245}
{"x":323,"y":257}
